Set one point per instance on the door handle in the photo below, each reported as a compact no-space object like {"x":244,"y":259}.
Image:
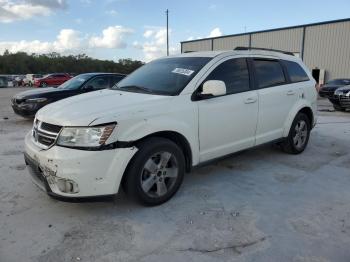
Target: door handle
{"x":290,"y":93}
{"x":250,"y":100}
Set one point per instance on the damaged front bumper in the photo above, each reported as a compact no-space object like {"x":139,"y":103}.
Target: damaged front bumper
{"x":76,"y":173}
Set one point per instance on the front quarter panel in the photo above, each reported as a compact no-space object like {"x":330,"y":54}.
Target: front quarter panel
{"x":179,"y":115}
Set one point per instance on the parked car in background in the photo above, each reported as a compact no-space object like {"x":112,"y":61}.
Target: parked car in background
{"x":29,"y":102}
{"x":51,"y":80}
{"x":328,"y":89}
{"x":3,"y":81}
{"x":168,"y":116}
{"x":18,"y":80}
{"x":30,"y":78}
{"x":341,"y":98}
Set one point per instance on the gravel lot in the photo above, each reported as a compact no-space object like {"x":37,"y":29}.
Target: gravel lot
{"x":259,"y":205}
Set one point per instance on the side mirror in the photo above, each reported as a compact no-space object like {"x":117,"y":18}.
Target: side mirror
{"x":213,"y":88}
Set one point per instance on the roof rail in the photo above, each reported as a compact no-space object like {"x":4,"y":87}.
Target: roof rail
{"x":264,"y":49}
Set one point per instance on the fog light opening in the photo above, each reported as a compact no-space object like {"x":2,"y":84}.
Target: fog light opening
{"x":67,"y":186}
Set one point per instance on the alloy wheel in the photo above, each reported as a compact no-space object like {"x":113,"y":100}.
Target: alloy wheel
{"x":300,"y":135}
{"x":159,"y":174}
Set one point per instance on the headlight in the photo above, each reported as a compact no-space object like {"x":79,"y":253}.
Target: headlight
{"x":85,"y":136}
{"x":36,"y":100}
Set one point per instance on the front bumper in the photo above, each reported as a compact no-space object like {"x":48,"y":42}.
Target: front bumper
{"x":94,"y":173}
{"x":25,"y":111}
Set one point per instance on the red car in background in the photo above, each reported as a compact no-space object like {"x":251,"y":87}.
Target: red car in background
{"x":52,"y":80}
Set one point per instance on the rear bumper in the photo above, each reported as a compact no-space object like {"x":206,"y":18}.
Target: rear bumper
{"x":88,"y":173}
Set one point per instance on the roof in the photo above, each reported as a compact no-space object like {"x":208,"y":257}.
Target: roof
{"x":271,"y":30}
{"x":236,"y":52}
{"x":101,"y":73}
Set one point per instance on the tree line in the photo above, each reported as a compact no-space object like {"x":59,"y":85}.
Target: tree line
{"x":23,"y":63}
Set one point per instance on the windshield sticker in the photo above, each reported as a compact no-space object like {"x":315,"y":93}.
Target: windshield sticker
{"x":183,"y":71}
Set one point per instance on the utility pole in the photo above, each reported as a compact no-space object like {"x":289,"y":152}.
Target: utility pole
{"x":167,"y":32}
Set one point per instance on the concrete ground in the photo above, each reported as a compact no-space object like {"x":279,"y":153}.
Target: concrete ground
{"x":259,"y":205}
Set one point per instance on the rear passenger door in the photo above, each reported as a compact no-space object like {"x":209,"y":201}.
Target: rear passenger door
{"x":228,"y":123}
{"x":276,"y":98}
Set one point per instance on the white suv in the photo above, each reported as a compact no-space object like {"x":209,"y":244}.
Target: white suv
{"x":167,"y":117}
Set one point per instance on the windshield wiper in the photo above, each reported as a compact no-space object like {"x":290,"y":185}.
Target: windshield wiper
{"x":137,"y":88}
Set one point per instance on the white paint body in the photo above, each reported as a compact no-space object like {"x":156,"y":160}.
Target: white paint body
{"x":212,"y":127}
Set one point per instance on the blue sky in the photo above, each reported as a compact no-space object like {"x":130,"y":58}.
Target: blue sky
{"x":113,"y":29}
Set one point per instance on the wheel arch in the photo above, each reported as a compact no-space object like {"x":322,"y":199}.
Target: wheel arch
{"x":302,"y":108}
{"x":178,"y":139}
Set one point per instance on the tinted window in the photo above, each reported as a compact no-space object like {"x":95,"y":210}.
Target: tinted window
{"x":75,"y":82}
{"x":296,"y":72}
{"x":269,"y":73}
{"x":167,"y":76}
{"x":97,"y":83}
{"x":234,"y":73}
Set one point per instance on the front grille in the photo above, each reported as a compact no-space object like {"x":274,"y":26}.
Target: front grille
{"x":50,"y":127}
{"x":344,"y":100}
{"x":45,"y":134}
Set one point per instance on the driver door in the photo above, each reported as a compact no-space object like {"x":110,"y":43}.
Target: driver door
{"x":228,"y":123}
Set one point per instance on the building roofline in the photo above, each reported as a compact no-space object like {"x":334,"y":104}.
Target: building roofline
{"x":270,"y":30}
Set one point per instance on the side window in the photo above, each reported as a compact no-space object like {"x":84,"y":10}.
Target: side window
{"x":269,"y":73}
{"x":295,"y":71}
{"x":115,"y":79}
{"x":234,"y":73}
{"x":98,"y":83}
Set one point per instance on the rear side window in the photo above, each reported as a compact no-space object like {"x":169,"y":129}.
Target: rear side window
{"x":234,"y":73}
{"x":269,"y":73}
{"x":296,"y":72}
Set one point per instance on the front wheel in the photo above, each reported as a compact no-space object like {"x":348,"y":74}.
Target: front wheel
{"x":156,"y":172}
{"x":43,"y":84}
{"x":298,"y":136}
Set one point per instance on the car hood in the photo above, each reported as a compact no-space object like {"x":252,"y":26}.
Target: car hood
{"x":38,"y":92}
{"x":344,"y":88}
{"x":327,"y":87}
{"x":110,"y":105}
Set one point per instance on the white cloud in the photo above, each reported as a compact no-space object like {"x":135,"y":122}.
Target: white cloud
{"x":112,"y":37}
{"x":155,"y":43}
{"x":215,"y":32}
{"x":148,"y":33}
{"x":13,"y":10}
{"x":68,"y":40}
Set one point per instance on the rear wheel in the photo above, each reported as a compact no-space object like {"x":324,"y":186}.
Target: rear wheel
{"x":298,"y":136}
{"x":156,"y":172}
{"x":43,"y":84}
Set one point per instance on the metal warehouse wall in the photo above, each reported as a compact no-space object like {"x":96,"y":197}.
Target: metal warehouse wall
{"x":202,"y":45}
{"x":290,"y":40}
{"x":328,"y":47}
{"x":229,"y":43}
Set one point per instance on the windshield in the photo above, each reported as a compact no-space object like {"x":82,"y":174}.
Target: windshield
{"x":167,"y":76}
{"x":75,"y":82}
{"x":339,"y":82}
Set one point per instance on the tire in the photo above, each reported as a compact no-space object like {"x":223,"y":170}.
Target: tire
{"x":339,"y":108}
{"x":145,"y":177}
{"x":43,"y":84}
{"x":298,"y":136}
